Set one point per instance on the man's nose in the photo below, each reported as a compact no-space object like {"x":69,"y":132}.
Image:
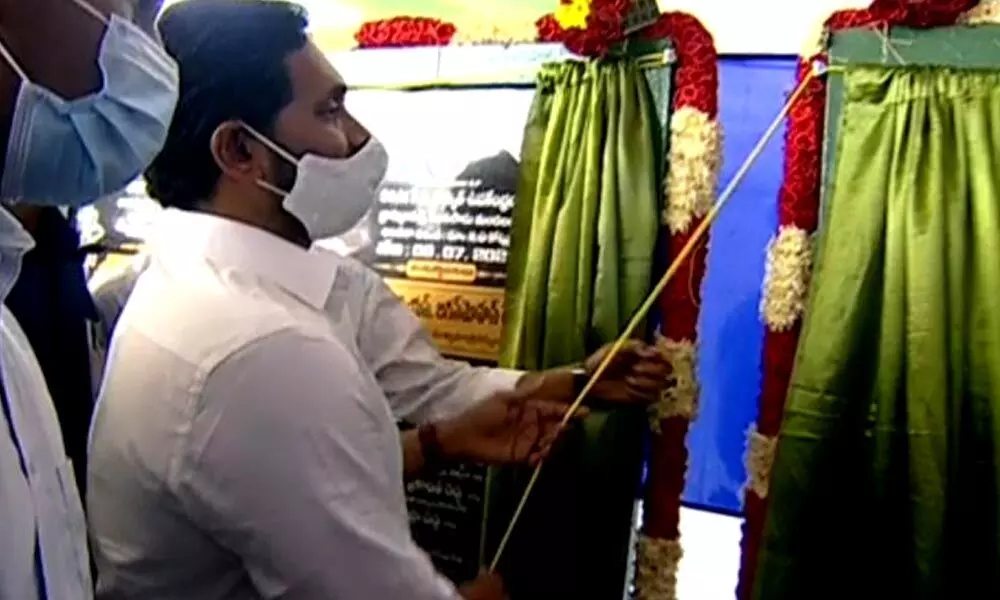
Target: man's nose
{"x":357,"y":135}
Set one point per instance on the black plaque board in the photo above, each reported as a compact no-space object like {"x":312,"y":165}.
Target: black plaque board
{"x":461,"y":227}
{"x":446,"y":510}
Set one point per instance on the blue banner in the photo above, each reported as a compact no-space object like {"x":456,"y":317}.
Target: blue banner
{"x":752,"y":93}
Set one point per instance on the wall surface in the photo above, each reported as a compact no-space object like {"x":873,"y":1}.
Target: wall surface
{"x":739,"y":26}
{"x":761,"y":26}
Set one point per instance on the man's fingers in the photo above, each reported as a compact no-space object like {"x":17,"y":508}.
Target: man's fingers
{"x":633,"y":347}
{"x":548,"y":410}
{"x":539,"y":455}
{"x":544,"y":447}
{"x":648,"y":352}
{"x":643,"y":384}
{"x":544,"y":430}
{"x":523,"y":391}
{"x":652,"y":368}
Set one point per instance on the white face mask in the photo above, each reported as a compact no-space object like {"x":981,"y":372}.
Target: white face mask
{"x":330,"y":195}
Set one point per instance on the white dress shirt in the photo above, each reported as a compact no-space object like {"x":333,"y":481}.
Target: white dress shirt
{"x":243,"y":446}
{"x":110,"y":295}
{"x":43,"y":543}
{"x":421,"y":385}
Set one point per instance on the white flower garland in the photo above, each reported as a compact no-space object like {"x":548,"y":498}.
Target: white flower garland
{"x":759,"y":460}
{"x":656,"y":567}
{"x":693,"y":171}
{"x":786,"y":278}
{"x":680,"y":398}
{"x":986,"y":12}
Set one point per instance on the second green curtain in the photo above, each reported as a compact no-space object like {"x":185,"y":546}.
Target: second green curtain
{"x":887,"y":478}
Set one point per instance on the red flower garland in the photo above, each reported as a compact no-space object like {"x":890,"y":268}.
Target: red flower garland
{"x":696,"y":81}
{"x":798,"y":205}
{"x":549,"y":30}
{"x":400,"y":32}
{"x":604,"y":29}
{"x":696,"y":86}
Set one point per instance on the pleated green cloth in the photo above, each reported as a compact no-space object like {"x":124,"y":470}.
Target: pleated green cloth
{"x":587,"y":213}
{"x":585,"y":231}
{"x":887,"y":477}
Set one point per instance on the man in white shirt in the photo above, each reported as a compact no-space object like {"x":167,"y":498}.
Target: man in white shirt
{"x":53,"y":155}
{"x":245,"y":444}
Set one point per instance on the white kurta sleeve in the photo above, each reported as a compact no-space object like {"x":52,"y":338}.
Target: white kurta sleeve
{"x":420,"y":384}
{"x":293,"y":464}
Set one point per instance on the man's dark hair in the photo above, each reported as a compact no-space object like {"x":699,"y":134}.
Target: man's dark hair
{"x":231,"y":55}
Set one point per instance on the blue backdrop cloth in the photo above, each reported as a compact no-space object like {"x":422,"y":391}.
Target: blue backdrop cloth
{"x":752,"y":93}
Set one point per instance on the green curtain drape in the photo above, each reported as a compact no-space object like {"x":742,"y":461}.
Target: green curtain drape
{"x":887,"y":477}
{"x":587,"y":213}
{"x":585,"y":232}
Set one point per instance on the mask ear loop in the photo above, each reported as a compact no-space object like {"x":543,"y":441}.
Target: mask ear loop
{"x":263,"y":139}
{"x":273,"y":147}
{"x":12,"y":63}
{"x":90,"y":10}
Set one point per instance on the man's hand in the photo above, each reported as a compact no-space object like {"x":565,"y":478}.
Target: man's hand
{"x":488,"y":586}
{"x":509,"y":427}
{"x":637,"y":374}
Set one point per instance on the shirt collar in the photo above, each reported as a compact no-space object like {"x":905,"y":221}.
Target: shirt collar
{"x":308,"y":274}
{"x":15,"y":242}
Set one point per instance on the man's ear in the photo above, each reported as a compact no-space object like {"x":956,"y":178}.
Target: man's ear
{"x":237,"y":154}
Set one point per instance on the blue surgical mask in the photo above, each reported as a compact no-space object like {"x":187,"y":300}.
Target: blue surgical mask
{"x":72,"y":152}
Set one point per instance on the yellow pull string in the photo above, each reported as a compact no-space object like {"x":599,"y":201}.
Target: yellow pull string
{"x":650,"y":300}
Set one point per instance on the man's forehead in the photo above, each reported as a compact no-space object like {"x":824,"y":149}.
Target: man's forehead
{"x":312,"y":74}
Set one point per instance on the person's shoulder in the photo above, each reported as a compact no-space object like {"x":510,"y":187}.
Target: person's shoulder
{"x":201,"y":316}
{"x":297,"y":343}
{"x":300,"y":363}
{"x":111,"y":290}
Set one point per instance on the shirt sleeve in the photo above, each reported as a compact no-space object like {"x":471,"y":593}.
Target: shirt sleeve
{"x":293,"y":463}
{"x":420,"y":384}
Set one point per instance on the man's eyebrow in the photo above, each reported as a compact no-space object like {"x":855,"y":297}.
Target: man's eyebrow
{"x":338,"y":91}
